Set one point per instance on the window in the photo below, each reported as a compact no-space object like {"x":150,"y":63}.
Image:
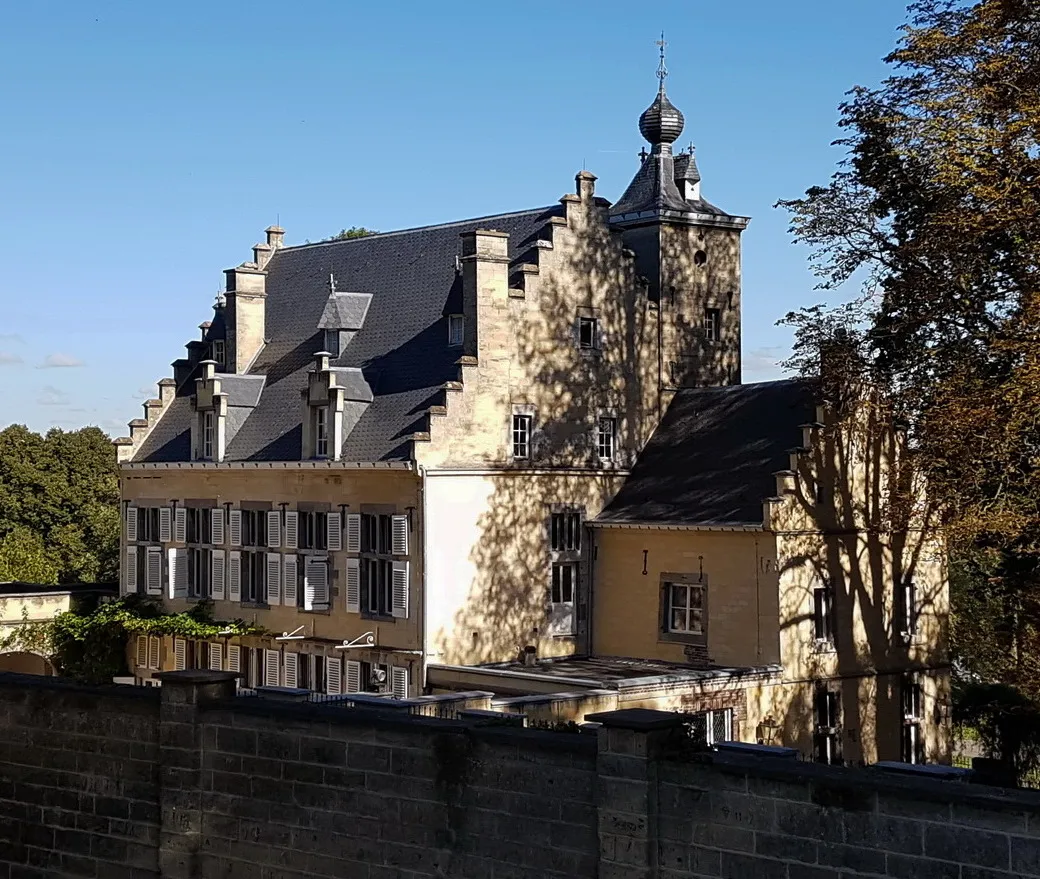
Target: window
{"x":686,"y":608}
{"x":588,"y":333}
{"x":913,"y":742}
{"x":564,"y":586}
{"x":565,"y":532}
{"x":198,"y":527}
{"x":712,"y":324}
{"x":375,"y":677}
{"x":207,"y":435}
{"x":710,"y":727}
{"x":376,"y":564}
{"x":198,"y":572}
{"x":321,"y":432}
{"x":606,"y":438}
{"x":522,"y":436}
{"x":332,"y":342}
{"x":254,"y":528}
{"x":823,"y":614}
{"x":456,"y":329}
{"x":148,"y":525}
{"x":217,"y":351}
{"x":252,"y":575}
{"x":908,"y":609}
{"x":827,"y":717}
{"x":313,"y":531}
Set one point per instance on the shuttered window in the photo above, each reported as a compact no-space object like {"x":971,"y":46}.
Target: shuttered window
{"x":234,"y":576}
{"x":177,"y":573}
{"x":334,"y":532}
{"x":131,"y":524}
{"x":353,"y":589}
{"x":353,"y":532}
{"x":130,"y":570}
{"x":291,"y":666}
{"x":316,"y":585}
{"x":399,"y":682}
{"x":400,"y":590}
{"x":290,"y":579}
{"x":217,"y":578}
{"x":217,"y":526}
{"x":235,"y":527}
{"x":400,"y":535}
{"x":154,"y":571}
{"x":353,"y":676}
{"x":216,"y":656}
{"x":333,"y":675}
{"x":180,"y":654}
{"x":292,"y":522}
{"x":154,"y":645}
{"x":272,"y":668}
{"x":142,"y":651}
{"x":165,"y":518}
{"x":180,"y":525}
{"x":234,"y":658}
{"x":274,"y":578}
{"x":274,"y":529}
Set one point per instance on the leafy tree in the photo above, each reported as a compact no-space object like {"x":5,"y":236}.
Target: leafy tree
{"x":63,"y":489}
{"x":353,"y":232}
{"x":936,"y":210}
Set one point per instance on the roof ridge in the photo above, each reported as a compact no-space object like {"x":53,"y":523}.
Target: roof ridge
{"x":509,"y":215}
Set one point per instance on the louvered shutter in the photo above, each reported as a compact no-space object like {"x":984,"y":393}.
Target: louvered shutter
{"x":177,"y":573}
{"x":217,"y":574}
{"x":333,"y":675}
{"x":272,"y":668}
{"x":235,"y":527}
{"x":274,"y":578}
{"x":234,"y":576}
{"x":353,"y":532}
{"x":130,"y":573}
{"x":399,"y":682}
{"x":142,"y":651}
{"x":216,"y":526}
{"x":292,"y":526}
{"x":400,"y":535}
{"x":353,"y":669}
{"x":155,"y":572}
{"x":216,"y":656}
{"x":290,"y":579}
{"x":131,"y":524}
{"x":180,"y":525}
{"x":316,"y":585}
{"x":153,"y":652}
{"x":400,"y":590}
{"x":274,"y":529}
{"x":334,"y":532}
{"x":165,"y":514}
{"x":234,"y":658}
{"x":353,"y":600}
{"x":180,"y":654}
{"x":291,"y":663}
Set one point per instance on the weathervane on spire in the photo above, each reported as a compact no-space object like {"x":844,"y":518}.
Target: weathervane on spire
{"x":662,"y":71}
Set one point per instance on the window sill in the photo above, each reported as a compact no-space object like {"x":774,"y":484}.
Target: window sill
{"x":821,"y":647}
{"x":256,"y":604}
{"x":562,"y":634}
{"x":682,"y":638}
{"x":380,"y":617}
{"x":324,"y":609}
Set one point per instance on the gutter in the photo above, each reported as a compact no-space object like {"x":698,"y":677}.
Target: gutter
{"x":675,"y":526}
{"x":339,"y":466}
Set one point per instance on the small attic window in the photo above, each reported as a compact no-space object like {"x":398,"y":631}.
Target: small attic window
{"x":217,"y":352}
{"x":332,"y":342}
{"x":456,"y":329}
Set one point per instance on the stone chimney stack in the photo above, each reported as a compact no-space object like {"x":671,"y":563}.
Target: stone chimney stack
{"x":245,"y":313}
{"x":275,"y":237}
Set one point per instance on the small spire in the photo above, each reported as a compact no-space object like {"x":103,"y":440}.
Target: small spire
{"x":662,"y":71}
{"x":332,"y":284}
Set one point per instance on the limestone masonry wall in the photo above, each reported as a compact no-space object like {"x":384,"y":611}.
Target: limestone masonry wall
{"x":189,"y":781}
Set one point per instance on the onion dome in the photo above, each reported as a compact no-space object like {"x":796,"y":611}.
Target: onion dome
{"x":661,"y":122}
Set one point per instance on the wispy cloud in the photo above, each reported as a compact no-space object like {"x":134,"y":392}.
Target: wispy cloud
{"x":8,"y":359}
{"x":763,"y":364}
{"x":13,"y":338}
{"x":145,"y":393}
{"x":60,"y":361}
{"x":52,"y":396}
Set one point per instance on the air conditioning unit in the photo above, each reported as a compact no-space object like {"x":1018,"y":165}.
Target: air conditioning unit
{"x":378,"y":678}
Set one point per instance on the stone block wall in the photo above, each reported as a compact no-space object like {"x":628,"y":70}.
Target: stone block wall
{"x":191,"y":782}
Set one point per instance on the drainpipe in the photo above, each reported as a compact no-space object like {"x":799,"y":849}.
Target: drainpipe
{"x":421,"y":530}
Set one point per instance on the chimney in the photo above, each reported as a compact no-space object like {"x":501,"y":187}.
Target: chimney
{"x":245,"y":313}
{"x":275,"y":237}
{"x":209,"y":368}
{"x":262,"y":254}
{"x":321,"y":361}
{"x":585,"y":185}
{"x":485,"y":286}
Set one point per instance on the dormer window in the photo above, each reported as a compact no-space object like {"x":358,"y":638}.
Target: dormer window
{"x":332,"y":342}
{"x":217,"y":352}
{"x":321,"y":432}
{"x":456,"y":329}
{"x":208,"y":434}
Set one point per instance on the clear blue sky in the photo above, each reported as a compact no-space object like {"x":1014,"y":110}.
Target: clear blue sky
{"x":145,"y":146}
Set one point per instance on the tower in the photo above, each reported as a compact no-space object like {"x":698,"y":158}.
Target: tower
{"x":687,"y":250}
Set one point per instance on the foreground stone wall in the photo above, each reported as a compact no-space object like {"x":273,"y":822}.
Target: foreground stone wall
{"x":190,"y":781}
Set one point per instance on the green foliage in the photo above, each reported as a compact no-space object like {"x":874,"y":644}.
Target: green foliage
{"x":353,"y":232}
{"x":91,"y":647}
{"x":558,"y":726}
{"x":1007,"y":723}
{"x":62,"y":490}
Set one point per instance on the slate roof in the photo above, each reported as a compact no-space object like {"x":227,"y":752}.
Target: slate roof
{"x":712,"y":458}
{"x":402,"y":348}
{"x":654,"y":189}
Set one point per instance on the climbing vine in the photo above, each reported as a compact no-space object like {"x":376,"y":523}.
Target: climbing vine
{"x":91,"y":647}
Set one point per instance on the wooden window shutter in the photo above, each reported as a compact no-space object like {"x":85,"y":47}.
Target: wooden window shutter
{"x":142,"y":651}
{"x":291,"y":665}
{"x":334,"y":532}
{"x":399,"y":682}
{"x":316,"y":584}
{"x":292,"y":527}
{"x":216,"y":656}
{"x":400,"y":590}
{"x":217,"y":575}
{"x":177,"y":573}
{"x":353,"y":599}
{"x":666,"y":599}
{"x":154,"y":645}
{"x":290,"y":579}
{"x":353,"y":532}
{"x":180,"y":525}
{"x":274,"y":578}
{"x":234,"y":576}
{"x":234,"y":658}
{"x":180,"y":654}
{"x":274,"y":529}
{"x":131,"y":524}
{"x":165,"y":514}
{"x":235,"y":527}
{"x":353,"y":670}
{"x":333,"y":675}
{"x":216,"y":526}
{"x":400,"y":535}
{"x":272,"y":668}
{"x":130,"y":572}
{"x":155,"y":572}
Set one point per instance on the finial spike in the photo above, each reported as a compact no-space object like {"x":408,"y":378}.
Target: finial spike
{"x":332,"y":283}
{"x":662,"y":71}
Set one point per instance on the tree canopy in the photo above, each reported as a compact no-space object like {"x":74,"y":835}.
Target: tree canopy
{"x":936,"y":209}
{"x":59,"y":506}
